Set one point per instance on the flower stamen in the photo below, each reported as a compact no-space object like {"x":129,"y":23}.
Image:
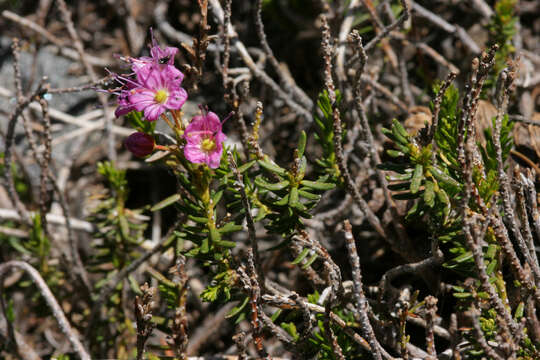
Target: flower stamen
{"x":161,"y":96}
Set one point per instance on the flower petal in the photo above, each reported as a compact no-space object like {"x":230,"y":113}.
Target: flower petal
{"x":176,"y":99}
{"x":153,"y":112}
{"x":194,"y":154}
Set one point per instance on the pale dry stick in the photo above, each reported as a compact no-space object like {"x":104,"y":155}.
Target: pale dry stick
{"x":428,"y":50}
{"x":437,"y":330}
{"x":356,"y":42}
{"x":160,"y":12}
{"x":57,"y":312}
{"x":411,"y":268}
{"x":405,"y":84}
{"x":384,"y":91}
{"x":226,"y":42}
{"x":134,"y":33}
{"x":84,"y":87}
{"x":239,"y":340}
{"x":63,"y":48}
{"x":230,"y":84}
{"x":282,"y":302}
{"x":211,"y":324}
{"x":455,"y":336}
{"x":503,"y":85}
{"x":534,"y":57}
{"x":385,"y":30}
{"x":83,"y":130}
{"x":180,"y":324}
{"x":443,"y":24}
{"x":257,"y":72}
{"x":483,"y":8}
{"x":26,"y":352}
{"x":10,"y":134}
{"x":73,"y":240}
{"x":349,"y":183}
{"x":344,"y":30}
{"x":431,"y":310}
{"x":255,"y":298}
{"x":501,"y":233}
{"x":250,"y":223}
{"x":5,"y":230}
{"x":524,"y":120}
{"x":329,"y":295}
{"x":15,"y":50}
{"x":43,"y":10}
{"x":465,"y":116}
{"x":341,"y":208}
{"x":82,"y":120}
{"x":479,"y":335}
{"x":287,"y":341}
{"x":360,"y":298}
{"x":45,"y":174}
{"x":33,"y":26}
{"x":19,"y":96}
{"x":532,"y":320}
{"x":532,"y":200}
{"x":519,"y":184}
{"x":380,"y":33}
{"x":44,"y":164}
{"x":329,"y":332}
{"x":388,"y":29}
{"x":287,"y":81}
{"x":306,"y":317}
{"x":328,"y":54}
{"x":11,"y":344}
{"x":333,"y":273}
{"x":66,"y":16}
{"x":76,"y":224}
{"x":472,"y":237}
{"x":143,"y":316}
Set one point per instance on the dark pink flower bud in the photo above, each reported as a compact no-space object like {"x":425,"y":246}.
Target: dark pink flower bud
{"x":140,"y":144}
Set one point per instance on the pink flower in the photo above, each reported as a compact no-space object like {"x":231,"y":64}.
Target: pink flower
{"x":124,"y":106}
{"x":155,"y":91}
{"x":153,"y":87}
{"x":160,"y":58}
{"x":204,"y":140}
{"x":140,"y":144}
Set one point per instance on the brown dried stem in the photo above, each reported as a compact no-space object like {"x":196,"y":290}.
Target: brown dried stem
{"x":143,"y":316}
{"x":431,"y":310}
{"x":286,"y":81}
{"x":180,"y":322}
{"x":77,"y":43}
{"x":361,"y":301}
{"x":51,"y":302}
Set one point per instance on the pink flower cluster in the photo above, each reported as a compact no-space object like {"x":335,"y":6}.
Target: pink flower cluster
{"x":153,"y":88}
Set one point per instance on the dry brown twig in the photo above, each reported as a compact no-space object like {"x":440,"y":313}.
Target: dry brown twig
{"x":257,"y":72}
{"x":66,"y":15}
{"x":361,"y":302}
{"x":179,"y":325}
{"x":287,"y":82}
{"x":143,"y":315}
{"x":51,"y":302}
